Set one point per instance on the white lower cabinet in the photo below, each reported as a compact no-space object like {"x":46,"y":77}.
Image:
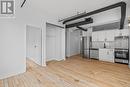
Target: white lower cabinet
{"x":106,"y":55}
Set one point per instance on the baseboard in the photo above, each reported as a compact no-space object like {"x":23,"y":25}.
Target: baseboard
{"x":12,"y":74}
{"x":44,"y":64}
{"x":55,"y":59}
{"x":60,"y":59}
{"x":72,"y":55}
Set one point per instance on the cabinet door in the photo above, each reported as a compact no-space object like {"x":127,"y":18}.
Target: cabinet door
{"x":116,"y":32}
{"x":109,"y":35}
{"x":95,"y":36}
{"x":125,"y":32}
{"x":106,"y":55}
{"x":102,"y":35}
{"x":102,"y":54}
{"x":110,"y":55}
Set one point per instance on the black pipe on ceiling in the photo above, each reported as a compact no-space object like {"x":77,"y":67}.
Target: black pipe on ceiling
{"x":81,"y":28}
{"x":120,"y":4}
{"x":86,"y":21}
{"x":23,"y":3}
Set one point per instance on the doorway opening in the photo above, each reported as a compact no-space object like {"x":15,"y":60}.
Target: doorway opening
{"x":34,"y":44}
{"x":55,"y":42}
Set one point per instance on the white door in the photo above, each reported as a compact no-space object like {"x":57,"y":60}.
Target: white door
{"x":34,"y":44}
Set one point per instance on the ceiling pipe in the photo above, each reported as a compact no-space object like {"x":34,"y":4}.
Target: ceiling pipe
{"x":120,"y":4}
{"x":86,"y":21}
{"x":23,"y":3}
{"x":60,"y":20}
{"x":81,"y":28}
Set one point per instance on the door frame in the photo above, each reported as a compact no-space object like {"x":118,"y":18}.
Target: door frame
{"x":41,"y":58}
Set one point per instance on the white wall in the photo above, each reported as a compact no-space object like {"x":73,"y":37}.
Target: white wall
{"x":12,"y":46}
{"x":55,"y":43}
{"x":73,"y":43}
{"x":13,"y":39}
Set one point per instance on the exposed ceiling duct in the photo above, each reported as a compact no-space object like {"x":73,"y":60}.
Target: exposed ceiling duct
{"x":86,"y":21}
{"x":82,"y":15}
{"x":81,"y":28}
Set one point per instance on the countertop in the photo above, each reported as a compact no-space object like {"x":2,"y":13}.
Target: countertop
{"x":121,"y":49}
{"x":94,"y":48}
{"x":99,"y":48}
{"x":109,"y":48}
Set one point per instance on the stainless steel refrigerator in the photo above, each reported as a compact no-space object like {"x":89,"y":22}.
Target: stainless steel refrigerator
{"x":86,"y":44}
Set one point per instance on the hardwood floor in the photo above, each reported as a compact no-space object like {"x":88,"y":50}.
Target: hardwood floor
{"x":74,"y":72}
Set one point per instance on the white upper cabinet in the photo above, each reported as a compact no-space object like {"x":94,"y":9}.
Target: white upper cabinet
{"x":102,"y":35}
{"x":116,"y":32}
{"x":123,"y":32}
{"x":110,"y":35}
{"x":95,"y":36}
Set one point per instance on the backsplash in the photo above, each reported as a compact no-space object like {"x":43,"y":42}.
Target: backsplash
{"x":110,"y":44}
{"x":100,"y":44}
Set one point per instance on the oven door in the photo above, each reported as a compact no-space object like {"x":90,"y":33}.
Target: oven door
{"x":121,"y":54}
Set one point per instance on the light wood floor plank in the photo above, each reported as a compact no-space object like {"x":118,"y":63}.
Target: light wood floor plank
{"x":74,"y":72}
{"x":1,"y":83}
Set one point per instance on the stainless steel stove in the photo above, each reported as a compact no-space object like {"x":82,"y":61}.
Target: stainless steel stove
{"x":122,"y":56}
